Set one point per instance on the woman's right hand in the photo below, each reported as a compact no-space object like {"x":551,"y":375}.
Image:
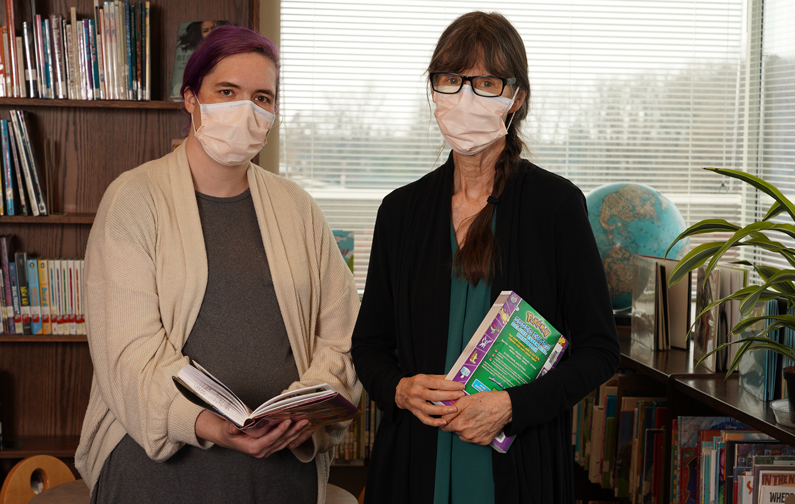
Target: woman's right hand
{"x":257,"y":442}
{"x":414,"y":392}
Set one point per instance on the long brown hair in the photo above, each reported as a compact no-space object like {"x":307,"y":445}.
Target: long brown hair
{"x":490,"y":39}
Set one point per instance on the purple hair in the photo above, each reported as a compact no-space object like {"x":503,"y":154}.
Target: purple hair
{"x":221,"y":42}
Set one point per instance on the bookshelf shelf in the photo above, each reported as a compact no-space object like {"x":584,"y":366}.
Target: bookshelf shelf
{"x":28,"y":446}
{"x":76,"y":218}
{"x":697,"y":391}
{"x":43,"y":338}
{"x":111,"y":104}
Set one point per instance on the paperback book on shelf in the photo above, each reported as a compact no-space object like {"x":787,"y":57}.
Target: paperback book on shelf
{"x":320,"y":404}
{"x":513,"y":345}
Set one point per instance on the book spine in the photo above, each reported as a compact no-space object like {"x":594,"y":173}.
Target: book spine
{"x":31,"y":81}
{"x":121,"y":46}
{"x":7,"y":283}
{"x":131,"y":91}
{"x":19,"y":328}
{"x":86,"y":92}
{"x":72,"y":279}
{"x":31,"y":160}
{"x":24,"y":295}
{"x":12,"y":49}
{"x":9,"y":67}
{"x":74,"y":53}
{"x":49,"y":59}
{"x":21,"y":67}
{"x":91,"y":58}
{"x":148,"y":68}
{"x":46,"y":296}
{"x":51,"y":265}
{"x":4,"y":68}
{"x":38,"y":55}
{"x":80,"y":316}
{"x":31,"y":192}
{"x":7,"y":169}
{"x":69,"y":46}
{"x":18,"y":169}
{"x":103,"y":20}
{"x":114,"y":49}
{"x":34,"y":294}
{"x":59,"y":67}
{"x":64,"y":281}
{"x":139,"y":47}
{"x":97,"y":34}
{"x":3,"y":304}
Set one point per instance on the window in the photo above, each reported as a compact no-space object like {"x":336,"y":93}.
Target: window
{"x":622,"y":90}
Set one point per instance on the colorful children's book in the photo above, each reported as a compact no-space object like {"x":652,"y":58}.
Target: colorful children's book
{"x":514,"y":345}
{"x":688,"y":466}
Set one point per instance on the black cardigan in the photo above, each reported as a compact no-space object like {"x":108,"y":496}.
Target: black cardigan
{"x":549,"y":257}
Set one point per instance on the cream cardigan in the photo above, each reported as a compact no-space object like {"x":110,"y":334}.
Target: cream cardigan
{"x":145,"y":277}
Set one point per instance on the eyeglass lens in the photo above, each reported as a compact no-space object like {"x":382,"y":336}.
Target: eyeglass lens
{"x":448,"y":83}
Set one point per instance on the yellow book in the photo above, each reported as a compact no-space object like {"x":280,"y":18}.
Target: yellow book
{"x":46,"y":296}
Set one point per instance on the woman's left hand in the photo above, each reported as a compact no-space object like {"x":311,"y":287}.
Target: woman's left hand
{"x":480,"y":417}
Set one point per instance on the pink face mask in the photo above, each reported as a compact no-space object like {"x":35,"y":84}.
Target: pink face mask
{"x":469,"y":122}
{"x":232,"y":133}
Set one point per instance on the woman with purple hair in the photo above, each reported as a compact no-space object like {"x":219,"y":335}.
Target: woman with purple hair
{"x":202,"y":255}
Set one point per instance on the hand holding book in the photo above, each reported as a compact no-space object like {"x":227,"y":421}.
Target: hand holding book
{"x":320,"y":405}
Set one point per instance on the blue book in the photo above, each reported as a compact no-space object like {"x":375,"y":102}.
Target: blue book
{"x":8,"y":178}
{"x":35,"y":296}
{"x":91,"y":41}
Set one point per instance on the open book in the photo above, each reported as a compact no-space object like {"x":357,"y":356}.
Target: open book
{"x":320,"y":404}
{"x":514,"y":345}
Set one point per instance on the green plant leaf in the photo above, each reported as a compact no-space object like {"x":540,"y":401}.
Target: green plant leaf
{"x":781,"y":277}
{"x":775,"y":209}
{"x":692,"y":260}
{"x":739,"y":235}
{"x":702,"y":227}
{"x":760,"y":184}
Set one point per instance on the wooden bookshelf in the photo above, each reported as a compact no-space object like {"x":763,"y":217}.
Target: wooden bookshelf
{"x":696,"y":391}
{"x":45,"y":380}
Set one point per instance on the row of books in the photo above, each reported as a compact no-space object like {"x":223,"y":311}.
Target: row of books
{"x":107,"y":57}
{"x":721,"y":460}
{"x":619,"y":439}
{"x":40,"y":296}
{"x":23,"y":191}
{"x":360,"y":436}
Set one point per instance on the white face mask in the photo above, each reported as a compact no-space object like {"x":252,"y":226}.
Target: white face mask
{"x":232,"y":133}
{"x":469,"y":122}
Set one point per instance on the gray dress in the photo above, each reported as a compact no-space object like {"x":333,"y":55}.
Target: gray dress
{"x":240,"y":337}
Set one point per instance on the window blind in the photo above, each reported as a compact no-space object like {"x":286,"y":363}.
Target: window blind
{"x":622,"y":90}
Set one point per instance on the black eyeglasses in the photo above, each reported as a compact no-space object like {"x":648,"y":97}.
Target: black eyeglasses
{"x":483,"y":85}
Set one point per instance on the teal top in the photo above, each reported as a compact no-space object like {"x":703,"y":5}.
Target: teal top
{"x":463,"y":470}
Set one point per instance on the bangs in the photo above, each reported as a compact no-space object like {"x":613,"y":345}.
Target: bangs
{"x":467,"y":47}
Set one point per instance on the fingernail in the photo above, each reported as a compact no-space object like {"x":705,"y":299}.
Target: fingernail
{"x":287,"y":423}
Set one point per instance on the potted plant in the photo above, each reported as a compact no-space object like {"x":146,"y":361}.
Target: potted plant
{"x":777,"y":283}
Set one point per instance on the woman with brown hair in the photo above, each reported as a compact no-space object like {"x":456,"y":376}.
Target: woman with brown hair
{"x":444,"y":247}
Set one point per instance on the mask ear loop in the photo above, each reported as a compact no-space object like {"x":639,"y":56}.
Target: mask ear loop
{"x":513,"y":114}
{"x":192,"y":124}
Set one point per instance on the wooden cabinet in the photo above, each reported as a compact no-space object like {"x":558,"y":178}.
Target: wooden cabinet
{"x":45,"y":380}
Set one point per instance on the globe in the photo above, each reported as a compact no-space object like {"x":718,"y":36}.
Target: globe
{"x":629,"y":219}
